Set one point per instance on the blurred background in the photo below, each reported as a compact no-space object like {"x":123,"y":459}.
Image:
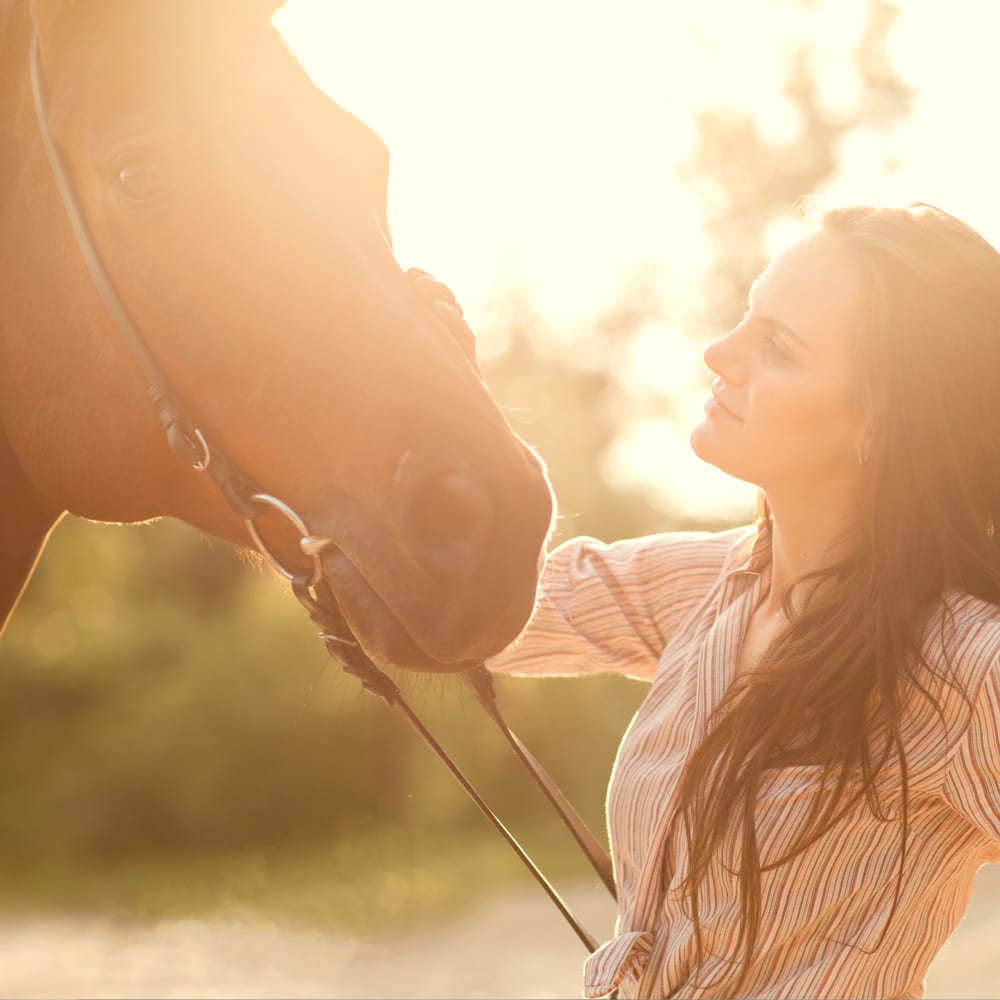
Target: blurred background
{"x":599,"y":182}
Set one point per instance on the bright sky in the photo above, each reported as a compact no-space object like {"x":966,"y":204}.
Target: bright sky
{"x":534,"y":142}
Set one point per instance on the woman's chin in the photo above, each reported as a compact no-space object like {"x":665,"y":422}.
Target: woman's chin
{"x":709,"y":449}
{"x":702,"y":444}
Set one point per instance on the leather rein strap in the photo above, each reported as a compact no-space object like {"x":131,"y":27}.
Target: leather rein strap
{"x":190,"y":445}
{"x":322,"y":607}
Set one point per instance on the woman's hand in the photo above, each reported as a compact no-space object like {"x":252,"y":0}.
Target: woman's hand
{"x":442,"y":300}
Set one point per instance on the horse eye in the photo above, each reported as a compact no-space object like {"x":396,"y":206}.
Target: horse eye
{"x":141,"y":181}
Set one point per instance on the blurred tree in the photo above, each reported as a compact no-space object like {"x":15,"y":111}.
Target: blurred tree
{"x":746,"y":182}
{"x":566,"y":395}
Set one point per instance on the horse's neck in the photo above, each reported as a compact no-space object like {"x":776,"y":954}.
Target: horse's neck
{"x":26,"y":517}
{"x":15,"y":41}
{"x":15,"y":20}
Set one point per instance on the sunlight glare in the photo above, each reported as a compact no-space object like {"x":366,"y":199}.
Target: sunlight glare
{"x":657,"y":454}
{"x":535,"y":146}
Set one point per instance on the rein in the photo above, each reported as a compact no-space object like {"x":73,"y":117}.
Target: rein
{"x":189,"y":444}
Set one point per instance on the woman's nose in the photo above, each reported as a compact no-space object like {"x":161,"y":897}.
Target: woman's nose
{"x":725,"y":357}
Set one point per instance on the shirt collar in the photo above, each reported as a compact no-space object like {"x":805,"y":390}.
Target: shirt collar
{"x":752,"y":551}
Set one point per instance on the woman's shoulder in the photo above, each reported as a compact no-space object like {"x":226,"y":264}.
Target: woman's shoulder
{"x":971,"y":618}
{"x":964,"y":632}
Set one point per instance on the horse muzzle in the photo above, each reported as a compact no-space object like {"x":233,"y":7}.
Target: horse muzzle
{"x":446,"y":574}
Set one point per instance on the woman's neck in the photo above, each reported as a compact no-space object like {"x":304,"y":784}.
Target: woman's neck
{"x":805,"y":537}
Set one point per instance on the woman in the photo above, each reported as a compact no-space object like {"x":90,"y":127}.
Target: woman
{"x":801,"y":802}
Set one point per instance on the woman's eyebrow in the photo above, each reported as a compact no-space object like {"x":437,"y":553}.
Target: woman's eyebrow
{"x":778,"y":324}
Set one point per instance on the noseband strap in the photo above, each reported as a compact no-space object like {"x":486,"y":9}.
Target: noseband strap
{"x":189,"y":444}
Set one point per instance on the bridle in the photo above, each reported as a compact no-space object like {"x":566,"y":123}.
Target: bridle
{"x":190,"y":445}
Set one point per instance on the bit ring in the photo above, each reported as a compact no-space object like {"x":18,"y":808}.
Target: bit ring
{"x":312,"y":545}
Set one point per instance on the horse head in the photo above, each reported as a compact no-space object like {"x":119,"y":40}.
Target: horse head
{"x":240,"y":215}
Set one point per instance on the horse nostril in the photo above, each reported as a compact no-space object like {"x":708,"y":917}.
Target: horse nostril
{"x":447,"y":520}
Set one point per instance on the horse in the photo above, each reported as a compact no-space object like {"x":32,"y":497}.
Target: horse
{"x":239,"y":217}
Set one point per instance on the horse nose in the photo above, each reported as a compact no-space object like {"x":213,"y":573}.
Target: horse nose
{"x":447,"y":521}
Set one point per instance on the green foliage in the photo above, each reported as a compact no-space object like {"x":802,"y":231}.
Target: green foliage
{"x":162,"y":698}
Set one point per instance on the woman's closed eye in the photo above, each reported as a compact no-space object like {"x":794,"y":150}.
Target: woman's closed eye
{"x":773,"y":347}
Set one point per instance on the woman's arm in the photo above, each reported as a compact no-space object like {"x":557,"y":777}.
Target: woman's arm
{"x":615,"y":607}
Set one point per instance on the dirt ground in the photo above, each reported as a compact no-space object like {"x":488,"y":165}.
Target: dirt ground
{"x":472,"y":956}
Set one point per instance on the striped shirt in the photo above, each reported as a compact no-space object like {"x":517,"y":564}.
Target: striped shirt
{"x":673,"y":609}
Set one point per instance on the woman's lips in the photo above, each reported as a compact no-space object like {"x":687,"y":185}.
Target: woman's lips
{"x":714,"y":408}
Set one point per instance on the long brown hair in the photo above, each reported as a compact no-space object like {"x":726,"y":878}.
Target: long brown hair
{"x":831,"y":689}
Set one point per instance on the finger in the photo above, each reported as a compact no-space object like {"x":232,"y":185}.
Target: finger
{"x":432,"y":290}
{"x":451,"y":314}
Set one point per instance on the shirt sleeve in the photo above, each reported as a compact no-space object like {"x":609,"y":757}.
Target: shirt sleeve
{"x":972,"y":784}
{"x":614,"y":607}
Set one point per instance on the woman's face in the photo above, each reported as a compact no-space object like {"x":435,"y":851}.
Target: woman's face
{"x":785,"y":412}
